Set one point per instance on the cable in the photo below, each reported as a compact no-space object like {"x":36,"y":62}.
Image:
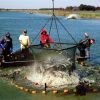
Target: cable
{"x":40,"y":30}
{"x":66,"y":30}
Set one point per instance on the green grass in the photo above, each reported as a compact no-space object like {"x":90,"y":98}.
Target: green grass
{"x":82,"y":14}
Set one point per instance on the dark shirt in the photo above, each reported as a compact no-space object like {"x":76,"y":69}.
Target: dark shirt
{"x":6,"y":45}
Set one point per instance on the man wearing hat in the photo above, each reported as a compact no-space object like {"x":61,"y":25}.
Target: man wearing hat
{"x":24,"y":40}
{"x":6,"y":44}
{"x":86,"y":43}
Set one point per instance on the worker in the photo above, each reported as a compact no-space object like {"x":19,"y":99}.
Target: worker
{"x":24,"y":40}
{"x":45,"y":39}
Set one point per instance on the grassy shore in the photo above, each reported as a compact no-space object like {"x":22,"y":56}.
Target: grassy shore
{"x":82,"y":14}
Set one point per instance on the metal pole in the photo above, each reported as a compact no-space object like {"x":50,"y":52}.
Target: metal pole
{"x":53,"y":6}
{"x":45,"y":86}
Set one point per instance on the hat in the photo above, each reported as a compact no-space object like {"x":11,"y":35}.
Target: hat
{"x":43,"y":30}
{"x":7,"y":34}
{"x":25,"y":31}
{"x":86,"y":34}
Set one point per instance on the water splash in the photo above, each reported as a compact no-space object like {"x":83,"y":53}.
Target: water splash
{"x":54,"y":72}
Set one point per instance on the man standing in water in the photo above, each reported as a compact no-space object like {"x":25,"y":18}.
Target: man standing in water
{"x":88,"y":42}
{"x":84,"y":47}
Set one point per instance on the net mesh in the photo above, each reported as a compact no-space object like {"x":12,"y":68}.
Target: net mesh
{"x":67,"y":52}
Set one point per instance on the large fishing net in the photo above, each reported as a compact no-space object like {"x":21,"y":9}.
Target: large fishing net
{"x":53,"y":66}
{"x":35,"y":76}
{"x":64,"y":53}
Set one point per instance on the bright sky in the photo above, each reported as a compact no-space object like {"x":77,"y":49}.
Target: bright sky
{"x":35,"y":4}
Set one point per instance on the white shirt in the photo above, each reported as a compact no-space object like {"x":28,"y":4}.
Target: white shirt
{"x":24,"y":41}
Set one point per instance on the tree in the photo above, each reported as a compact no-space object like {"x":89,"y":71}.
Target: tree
{"x":87,"y":7}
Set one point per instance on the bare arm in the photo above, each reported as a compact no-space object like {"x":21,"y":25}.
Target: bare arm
{"x":28,"y":42}
{"x":21,"y":42}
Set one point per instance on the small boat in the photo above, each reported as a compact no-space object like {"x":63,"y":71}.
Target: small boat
{"x":17,"y":58}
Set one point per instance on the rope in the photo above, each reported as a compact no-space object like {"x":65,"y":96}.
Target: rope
{"x":50,"y":26}
{"x":42,"y":27}
{"x":53,"y":17}
{"x":57,"y":31}
{"x":66,"y":30}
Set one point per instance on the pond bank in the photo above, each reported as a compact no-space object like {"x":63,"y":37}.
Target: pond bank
{"x":82,"y":14}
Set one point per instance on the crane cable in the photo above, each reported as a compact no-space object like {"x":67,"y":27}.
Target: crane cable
{"x":53,"y":17}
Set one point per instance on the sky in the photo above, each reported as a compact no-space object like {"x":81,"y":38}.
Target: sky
{"x":36,"y":4}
